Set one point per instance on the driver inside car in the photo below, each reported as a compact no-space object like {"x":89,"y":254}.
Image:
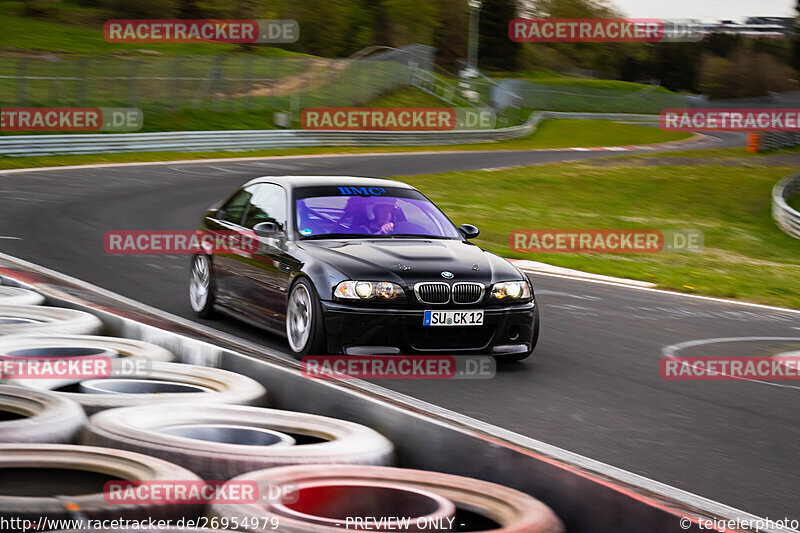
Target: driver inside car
{"x":382,"y":222}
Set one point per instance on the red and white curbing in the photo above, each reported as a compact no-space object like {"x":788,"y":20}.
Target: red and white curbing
{"x":636,"y":147}
{"x":610,"y":148}
{"x":536,"y":267}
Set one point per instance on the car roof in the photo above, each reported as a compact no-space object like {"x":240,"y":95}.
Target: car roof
{"x":291,"y":182}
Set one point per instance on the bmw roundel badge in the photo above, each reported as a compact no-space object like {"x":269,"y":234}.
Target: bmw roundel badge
{"x":447,"y":275}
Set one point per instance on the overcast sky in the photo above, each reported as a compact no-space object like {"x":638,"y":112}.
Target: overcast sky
{"x":706,"y":10}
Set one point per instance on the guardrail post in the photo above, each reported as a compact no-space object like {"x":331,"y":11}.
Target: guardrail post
{"x":332,"y":69}
{"x":272,"y":78}
{"x":133,"y":70}
{"x":216,"y":82}
{"x":176,"y":82}
{"x":81,"y":82}
{"x":22,"y":69}
{"x":247,"y":75}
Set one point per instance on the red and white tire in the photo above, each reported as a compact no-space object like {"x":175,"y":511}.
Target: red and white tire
{"x":46,"y":417}
{"x":57,"y":346}
{"x":42,"y":473}
{"x":199,"y":385}
{"x":33,"y":319}
{"x":123,"y":347}
{"x":211,"y":441}
{"x":19,"y":296}
{"x":310,"y":489}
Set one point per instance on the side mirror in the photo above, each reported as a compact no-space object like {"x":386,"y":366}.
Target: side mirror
{"x":469,"y":231}
{"x":265,"y":229}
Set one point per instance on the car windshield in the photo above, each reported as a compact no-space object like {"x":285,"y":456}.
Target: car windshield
{"x":354,"y":212}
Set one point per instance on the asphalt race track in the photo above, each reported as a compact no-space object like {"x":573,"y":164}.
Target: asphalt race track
{"x":593,"y":385}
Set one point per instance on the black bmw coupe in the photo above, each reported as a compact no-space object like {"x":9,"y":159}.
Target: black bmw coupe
{"x":361,"y":266}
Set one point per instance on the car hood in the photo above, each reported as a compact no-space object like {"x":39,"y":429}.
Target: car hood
{"x":411,"y":260}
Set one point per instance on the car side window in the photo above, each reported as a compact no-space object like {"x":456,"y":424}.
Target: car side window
{"x":234,"y":209}
{"x":267,"y":204}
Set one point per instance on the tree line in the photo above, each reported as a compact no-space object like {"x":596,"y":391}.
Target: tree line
{"x":720,"y":65}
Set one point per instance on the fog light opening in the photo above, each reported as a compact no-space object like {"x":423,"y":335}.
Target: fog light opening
{"x":513,"y":333}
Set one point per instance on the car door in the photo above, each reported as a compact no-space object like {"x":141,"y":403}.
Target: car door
{"x":268,"y":270}
{"x":229,"y":218}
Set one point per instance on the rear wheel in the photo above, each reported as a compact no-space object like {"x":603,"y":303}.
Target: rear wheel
{"x":304,"y":327}
{"x":201,"y":287}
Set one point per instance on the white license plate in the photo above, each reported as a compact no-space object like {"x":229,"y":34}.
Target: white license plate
{"x":453,"y":318}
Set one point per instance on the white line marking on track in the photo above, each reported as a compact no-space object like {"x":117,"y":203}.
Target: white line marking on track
{"x":677,"y":144}
{"x":559,"y":293}
{"x":669,"y":351}
{"x":673,"y":293}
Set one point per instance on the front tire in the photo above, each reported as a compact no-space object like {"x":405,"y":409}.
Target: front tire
{"x":202,"y":290}
{"x":304,"y":326}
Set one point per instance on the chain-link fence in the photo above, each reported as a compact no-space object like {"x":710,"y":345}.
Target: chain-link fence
{"x":582,"y":99}
{"x":773,"y":100}
{"x":223,"y":82}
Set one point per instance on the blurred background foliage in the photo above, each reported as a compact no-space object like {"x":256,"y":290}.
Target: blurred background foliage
{"x":720,"y":66}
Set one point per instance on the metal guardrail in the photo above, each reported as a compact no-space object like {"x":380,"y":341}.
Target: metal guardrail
{"x":193,"y":141}
{"x":788,"y":219}
{"x":777,"y":140}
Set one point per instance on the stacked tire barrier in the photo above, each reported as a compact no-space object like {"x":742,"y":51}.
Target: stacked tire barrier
{"x":152,"y":420}
{"x":223,"y":441}
{"x":324,"y":499}
{"x":585,"y":495}
{"x":787,"y":218}
{"x":41,"y":416}
{"x":32,"y":318}
{"x":17,"y":296}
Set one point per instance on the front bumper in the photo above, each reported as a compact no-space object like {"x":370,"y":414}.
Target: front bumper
{"x":363,"y":330}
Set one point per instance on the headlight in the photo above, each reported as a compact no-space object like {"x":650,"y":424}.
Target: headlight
{"x":368,"y":290}
{"x":510,"y":290}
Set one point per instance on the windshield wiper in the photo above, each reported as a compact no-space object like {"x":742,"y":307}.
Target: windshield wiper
{"x":415,"y":236}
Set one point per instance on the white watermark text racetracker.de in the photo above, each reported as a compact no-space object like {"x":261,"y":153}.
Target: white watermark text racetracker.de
{"x":14,"y":367}
{"x":65,"y":119}
{"x":200,"y":31}
{"x":398,"y":367}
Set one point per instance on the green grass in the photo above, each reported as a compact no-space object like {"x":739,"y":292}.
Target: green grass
{"x":206,"y":120}
{"x":407,"y":96}
{"x":548,"y":77}
{"x":551,"y":134}
{"x":745,"y":257}
{"x":232,"y":117}
{"x":79,"y":31}
{"x":561,"y":133}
